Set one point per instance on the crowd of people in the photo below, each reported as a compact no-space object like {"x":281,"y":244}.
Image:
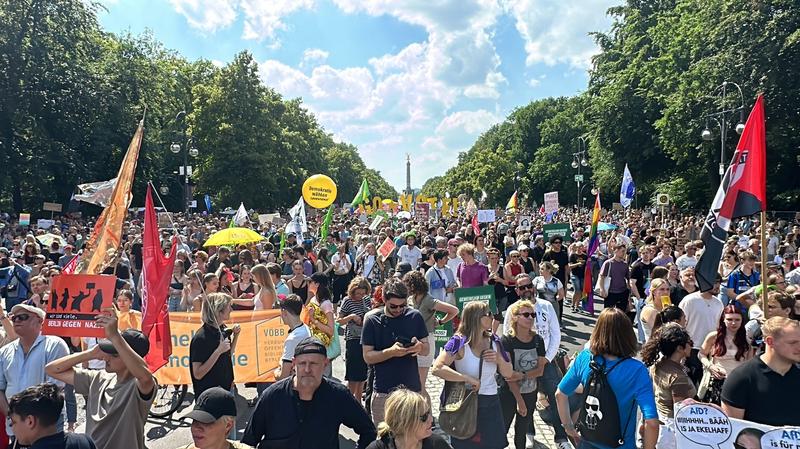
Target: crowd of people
{"x":341,"y":298}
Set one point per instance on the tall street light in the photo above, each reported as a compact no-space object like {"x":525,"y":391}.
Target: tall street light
{"x":188,"y":149}
{"x":724,"y":117}
{"x":578,"y":161}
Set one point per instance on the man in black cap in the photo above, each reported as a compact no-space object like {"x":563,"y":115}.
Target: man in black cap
{"x":213,"y":417}
{"x":306,"y":409}
{"x":119,"y":397}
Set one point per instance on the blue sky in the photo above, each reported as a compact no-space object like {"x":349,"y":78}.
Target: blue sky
{"x":423,"y":77}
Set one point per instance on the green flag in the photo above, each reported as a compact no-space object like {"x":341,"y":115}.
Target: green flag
{"x":283,"y":244}
{"x":362,"y":197}
{"x":326,"y":223}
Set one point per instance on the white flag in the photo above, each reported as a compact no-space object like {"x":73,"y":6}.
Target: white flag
{"x":241,"y":216}
{"x":298,"y":223}
{"x":98,"y":193}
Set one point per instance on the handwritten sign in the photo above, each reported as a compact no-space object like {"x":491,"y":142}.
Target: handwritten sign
{"x":75,"y":301}
{"x":386,"y":248}
{"x":784,"y":438}
{"x":550,"y":202}
{"x":486,"y":216}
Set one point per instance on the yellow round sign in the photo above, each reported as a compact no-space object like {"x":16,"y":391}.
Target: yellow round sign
{"x":319,"y":191}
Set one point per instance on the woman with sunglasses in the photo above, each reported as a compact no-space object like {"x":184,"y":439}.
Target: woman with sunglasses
{"x":474,"y":345}
{"x":518,"y":393}
{"x":664,"y":354}
{"x":408,"y":424}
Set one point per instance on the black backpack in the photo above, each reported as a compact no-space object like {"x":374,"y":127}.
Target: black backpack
{"x":598,"y":421}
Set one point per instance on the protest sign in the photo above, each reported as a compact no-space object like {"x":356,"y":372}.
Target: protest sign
{"x":442,"y":333}
{"x":44,"y":224}
{"x":550,"y":202}
{"x":165,"y":220}
{"x":52,"y":207}
{"x":486,"y":216}
{"x":258,"y":349}
{"x":559,"y":229}
{"x":376,"y":222}
{"x":75,"y":301}
{"x":319,"y":191}
{"x":485,"y":293}
{"x":704,"y":426}
{"x":524,"y":223}
{"x":386,"y":248}
{"x":24,"y":219}
{"x":422,"y":212}
{"x":617,"y":206}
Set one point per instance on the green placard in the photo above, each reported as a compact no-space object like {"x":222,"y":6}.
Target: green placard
{"x":560,"y":229}
{"x":442,"y":333}
{"x":485,"y":293}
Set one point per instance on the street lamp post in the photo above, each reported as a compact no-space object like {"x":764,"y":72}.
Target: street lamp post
{"x":188,"y":150}
{"x":578,"y":161}
{"x":723,"y":118}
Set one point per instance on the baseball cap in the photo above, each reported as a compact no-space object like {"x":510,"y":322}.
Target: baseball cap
{"x":135,"y":339}
{"x":310,"y":345}
{"x":28,"y":308}
{"x":523,"y":247}
{"x":212,"y":405}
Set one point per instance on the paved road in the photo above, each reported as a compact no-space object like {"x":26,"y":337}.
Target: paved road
{"x":174,"y":432}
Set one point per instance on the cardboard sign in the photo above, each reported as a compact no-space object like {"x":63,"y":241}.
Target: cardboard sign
{"x":617,"y":206}
{"x":485,"y":293}
{"x":422,"y":212}
{"x":559,"y":229}
{"x":52,"y":207}
{"x":524,"y":223}
{"x":386,"y":247}
{"x":44,"y":224}
{"x":704,"y":426}
{"x":550,"y":202}
{"x":376,"y":222}
{"x":24,"y":219}
{"x":165,"y":219}
{"x":486,"y":215}
{"x":258,"y":349}
{"x":75,"y":301}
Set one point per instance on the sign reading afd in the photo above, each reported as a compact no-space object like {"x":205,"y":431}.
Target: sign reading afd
{"x":258,"y":349}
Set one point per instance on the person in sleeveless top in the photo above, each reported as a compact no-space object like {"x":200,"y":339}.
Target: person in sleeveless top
{"x":723,"y":351}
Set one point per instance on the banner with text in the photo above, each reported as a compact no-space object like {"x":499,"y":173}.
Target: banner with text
{"x":550,"y":202}
{"x":258,"y":349}
{"x":485,"y":293}
{"x":557,"y":229}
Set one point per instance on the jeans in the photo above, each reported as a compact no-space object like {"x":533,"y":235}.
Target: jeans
{"x":522,"y":424}
{"x":577,"y":286}
{"x":71,"y":403}
{"x":548,"y":384}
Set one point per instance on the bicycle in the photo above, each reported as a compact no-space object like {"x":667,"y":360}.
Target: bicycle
{"x":168,"y":400}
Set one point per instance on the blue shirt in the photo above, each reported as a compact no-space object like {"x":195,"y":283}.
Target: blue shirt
{"x":630,"y":382}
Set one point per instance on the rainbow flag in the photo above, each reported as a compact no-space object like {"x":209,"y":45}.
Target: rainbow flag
{"x":511,"y":206}
{"x":594,"y":242}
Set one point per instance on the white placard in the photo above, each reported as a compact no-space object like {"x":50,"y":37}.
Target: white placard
{"x":486,"y":216}
{"x":524,"y":223}
{"x":550,"y":202}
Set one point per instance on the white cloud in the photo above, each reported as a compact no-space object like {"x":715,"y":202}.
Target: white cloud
{"x":556,"y":31}
{"x":534,"y":82}
{"x":471,"y":122}
{"x":313,"y":57}
{"x":206,"y":15}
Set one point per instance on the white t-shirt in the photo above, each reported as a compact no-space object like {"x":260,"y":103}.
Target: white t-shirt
{"x":410,"y":255}
{"x":702,"y":316}
{"x":295,"y":336}
{"x":454,"y":263}
{"x":546,"y":326}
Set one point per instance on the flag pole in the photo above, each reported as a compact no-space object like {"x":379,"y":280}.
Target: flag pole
{"x":764,"y":272}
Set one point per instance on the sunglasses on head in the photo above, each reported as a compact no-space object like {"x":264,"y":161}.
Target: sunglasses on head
{"x":525,"y":286}
{"x":20,"y":318}
{"x":526,"y":314}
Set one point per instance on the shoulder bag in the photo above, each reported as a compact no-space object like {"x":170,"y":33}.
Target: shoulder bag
{"x":458,"y":415}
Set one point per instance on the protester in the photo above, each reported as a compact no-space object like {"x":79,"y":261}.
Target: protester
{"x":34,"y":413}
{"x":128,"y":318}
{"x":213,"y":418}
{"x":392,"y":339}
{"x":441,"y":279}
{"x":408,"y":424}
{"x":306,"y":409}
{"x":664,"y":354}
{"x":351,"y":315}
{"x":613,"y":343}
{"x":470,"y":272}
{"x":723,"y":351}
{"x":654,"y":305}
{"x":474,"y":355}
{"x":766,"y":389}
{"x":291,"y":308}
{"x":409,"y":252}
{"x":549,"y":288}
{"x":703,"y":310}
{"x":22,"y":362}
{"x":210,"y":363}
{"x":119,"y":397}
{"x":319,"y":311}
{"x":686,"y":285}
{"x":616,"y":270}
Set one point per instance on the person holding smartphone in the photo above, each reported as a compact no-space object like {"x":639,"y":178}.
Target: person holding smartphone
{"x":210,"y":363}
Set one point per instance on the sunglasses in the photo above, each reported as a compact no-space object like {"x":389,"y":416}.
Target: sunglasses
{"x":525,"y":287}
{"x":397,"y":306}
{"x":20,"y":318}
{"x":526,"y":314}
{"x":487,"y":313}
{"x":424,"y":417}
{"x":556,"y":243}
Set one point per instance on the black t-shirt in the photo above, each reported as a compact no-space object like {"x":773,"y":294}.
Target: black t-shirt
{"x":677,"y":293}
{"x":561,"y":260}
{"x":766,"y":396}
{"x":432,"y":442}
{"x":579,"y":270}
{"x":537,"y":253}
{"x":524,"y":356}
{"x":641,"y":273}
{"x":136,"y":252}
{"x":63,"y":440}
{"x":204,"y":343}
{"x":527,"y":264}
{"x":499,"y":288}
{"x":381,"y":332}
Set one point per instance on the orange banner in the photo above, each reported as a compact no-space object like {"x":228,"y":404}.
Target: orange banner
{"x":258,"y":349}
{"x":75,"y":301}
{"x":108,"y":229}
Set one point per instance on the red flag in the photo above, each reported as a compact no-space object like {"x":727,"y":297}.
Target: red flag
{"x":541,"y":210}
{"x":156,"y":274}
{"x":475,"y":226}
{"x":69,"y":268}
{"x":742,"y":192}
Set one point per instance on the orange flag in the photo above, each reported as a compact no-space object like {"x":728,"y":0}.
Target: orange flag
{"x":107,"y":232}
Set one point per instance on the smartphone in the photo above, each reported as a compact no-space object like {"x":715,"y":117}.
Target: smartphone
{"x":405,"y":341}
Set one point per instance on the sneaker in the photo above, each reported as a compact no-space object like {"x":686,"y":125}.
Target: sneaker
{"x":565,"y":444}
{"x":529,"y":441}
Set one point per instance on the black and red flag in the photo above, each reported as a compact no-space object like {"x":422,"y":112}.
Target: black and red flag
{"x":742,"y":192}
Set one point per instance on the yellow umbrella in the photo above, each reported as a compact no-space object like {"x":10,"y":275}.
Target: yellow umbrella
{"x":233,"y":236}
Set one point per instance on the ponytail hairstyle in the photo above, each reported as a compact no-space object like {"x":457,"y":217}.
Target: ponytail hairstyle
{"x":664,"y":342}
